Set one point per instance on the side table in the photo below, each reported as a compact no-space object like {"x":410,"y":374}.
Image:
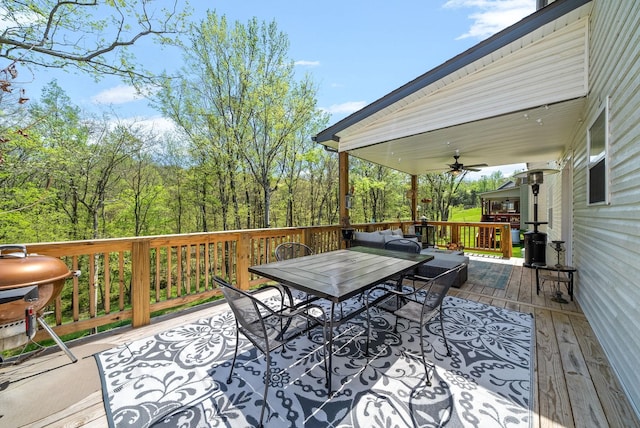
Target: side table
{"x":558,"y":274}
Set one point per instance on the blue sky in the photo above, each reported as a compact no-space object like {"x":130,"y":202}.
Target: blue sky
{"x":356,"y":51}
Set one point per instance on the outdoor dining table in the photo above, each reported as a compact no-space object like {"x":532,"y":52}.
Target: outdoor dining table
{"x":339,"y":275}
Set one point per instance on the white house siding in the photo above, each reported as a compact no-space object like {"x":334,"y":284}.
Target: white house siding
{"x":553,"y":214}
{"x":558,"y":199}
{"x":607,"y":237}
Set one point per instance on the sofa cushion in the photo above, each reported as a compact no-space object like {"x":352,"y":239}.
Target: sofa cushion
{"x":373,"y":237}
{"x":388,"y":238}
{"x":442,"y":261}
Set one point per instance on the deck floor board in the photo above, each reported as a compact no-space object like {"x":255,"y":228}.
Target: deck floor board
{"x":574,"y":384}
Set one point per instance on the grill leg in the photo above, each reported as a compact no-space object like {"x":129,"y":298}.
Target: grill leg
{"x":56,"y":339}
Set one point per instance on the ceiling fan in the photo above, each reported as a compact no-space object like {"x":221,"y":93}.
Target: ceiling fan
{"x":456,"y":167}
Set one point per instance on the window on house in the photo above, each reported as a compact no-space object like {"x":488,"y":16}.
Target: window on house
{"x":597,"y":143}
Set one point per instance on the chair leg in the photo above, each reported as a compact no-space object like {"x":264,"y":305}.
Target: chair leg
{"x":289,"y":297}
{"x":444,"y":336}
{"x":424,"y":358}
{"x":235,"y":355}
{"x":325,"y":357}
{"x":308,"y":299}
{"x":267,"y":380}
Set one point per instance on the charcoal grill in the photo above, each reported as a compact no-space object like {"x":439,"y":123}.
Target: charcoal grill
{"x":28,"y":283}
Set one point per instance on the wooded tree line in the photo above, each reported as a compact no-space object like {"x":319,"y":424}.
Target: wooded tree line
{"x":240,"y":156}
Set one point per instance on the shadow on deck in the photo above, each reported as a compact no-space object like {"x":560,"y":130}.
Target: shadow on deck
{"x":574,"y":384}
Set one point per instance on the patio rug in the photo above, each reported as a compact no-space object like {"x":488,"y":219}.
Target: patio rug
{"x":489,"y":274}
{"x":178,"y":378}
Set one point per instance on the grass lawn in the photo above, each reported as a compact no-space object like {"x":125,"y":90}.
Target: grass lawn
{"x":475,"y":214}
{"x":461,"y":214}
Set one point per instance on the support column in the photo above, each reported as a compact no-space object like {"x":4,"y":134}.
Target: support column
{"x":414,"y":197}
{"x":343,"y":184}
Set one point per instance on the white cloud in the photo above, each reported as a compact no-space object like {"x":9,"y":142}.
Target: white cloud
{"x":492,"y":15}
{"x":120,"y":94}
{"x":16,"y":19}
{"x":345,"y":108}
{"x":157,"y":124}
{"x":304,"y":63}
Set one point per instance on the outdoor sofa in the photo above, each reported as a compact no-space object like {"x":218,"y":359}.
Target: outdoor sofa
{"x":443,"y":259}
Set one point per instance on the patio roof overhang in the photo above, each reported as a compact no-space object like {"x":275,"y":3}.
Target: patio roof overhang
{"x":516,"y":97}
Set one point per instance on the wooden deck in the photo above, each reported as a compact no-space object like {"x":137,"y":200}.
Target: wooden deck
{"x":575,"y":386}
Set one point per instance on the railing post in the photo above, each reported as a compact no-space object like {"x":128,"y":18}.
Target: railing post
{"x":140,"y":283}
{"x":242,"y":260}
{"x":455,"y":233}
{"x":506,"y":241}
{"x":307,"y":237}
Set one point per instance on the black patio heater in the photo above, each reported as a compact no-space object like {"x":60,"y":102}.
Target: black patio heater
{"x":535,"y":242}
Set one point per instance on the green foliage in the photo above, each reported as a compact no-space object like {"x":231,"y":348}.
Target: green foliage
{"x":246,"y":120}
{"x":242,"y":156}
{"x":73,"y":179}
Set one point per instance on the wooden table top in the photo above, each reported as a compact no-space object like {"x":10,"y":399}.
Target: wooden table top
{"x":339,"y":275}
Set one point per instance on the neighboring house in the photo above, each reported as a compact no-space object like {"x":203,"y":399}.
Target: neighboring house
{"x":504,"y":205}
{"x":559,"y":89}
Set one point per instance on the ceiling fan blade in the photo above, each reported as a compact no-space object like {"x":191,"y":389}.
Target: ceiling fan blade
{"x":472,"y":169}
{"x":477,"y":165}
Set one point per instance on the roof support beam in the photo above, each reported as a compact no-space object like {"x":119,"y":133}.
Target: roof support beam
{"x":343,"y":187}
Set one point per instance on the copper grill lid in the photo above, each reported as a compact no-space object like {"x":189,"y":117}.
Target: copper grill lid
{"x":19,"y":269}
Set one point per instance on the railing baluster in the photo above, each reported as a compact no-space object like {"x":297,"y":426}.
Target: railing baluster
{"x":121,"y":288}
{"x":107,"y":283}
{"x":92,"y":285}
{"x":227,"y":254}
{"x":179,"y":269}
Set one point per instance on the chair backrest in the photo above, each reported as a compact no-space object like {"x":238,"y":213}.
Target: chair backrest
{"x":437,"y":289}
{"x":406,"y":245}
{"x":246,"y":310}
{"x":291,"y":250}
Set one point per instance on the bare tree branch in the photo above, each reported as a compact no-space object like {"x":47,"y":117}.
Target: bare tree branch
{"x":89,"y":35}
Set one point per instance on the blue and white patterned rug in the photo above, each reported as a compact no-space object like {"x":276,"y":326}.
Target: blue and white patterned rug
{"x":178,"y":378}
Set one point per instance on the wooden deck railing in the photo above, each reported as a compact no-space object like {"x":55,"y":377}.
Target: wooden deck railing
{"x":483,"y":237}
{"x":129,"y":279}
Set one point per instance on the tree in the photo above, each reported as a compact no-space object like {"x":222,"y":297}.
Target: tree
{"x":300,"y":166}
{"x":443,"y":187}
{"x":241,"y":107}
{"x":142,"y":181}
{"x":378,"y":192}
{"x":89,"y":35}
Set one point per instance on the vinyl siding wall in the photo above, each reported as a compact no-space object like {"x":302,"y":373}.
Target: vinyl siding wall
{"x":606,"y":246}
{"x":553,"y":184}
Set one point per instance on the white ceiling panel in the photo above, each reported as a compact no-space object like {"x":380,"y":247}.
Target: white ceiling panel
{"x":519,"y":102}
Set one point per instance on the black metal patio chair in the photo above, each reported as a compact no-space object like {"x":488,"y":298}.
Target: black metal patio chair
{"x":269,"y":328}
{"x":418,"y":304}
{"x":292,"y":250}
{"x":405,"y":245}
